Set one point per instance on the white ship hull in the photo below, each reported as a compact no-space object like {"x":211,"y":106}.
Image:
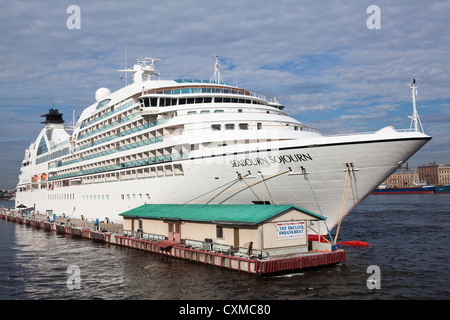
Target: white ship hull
{"x":208,"y":179}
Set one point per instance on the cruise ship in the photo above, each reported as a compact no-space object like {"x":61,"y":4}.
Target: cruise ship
{"x":201,"y":142}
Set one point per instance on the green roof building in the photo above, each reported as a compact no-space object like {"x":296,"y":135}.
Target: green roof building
{"x":265,"y":229}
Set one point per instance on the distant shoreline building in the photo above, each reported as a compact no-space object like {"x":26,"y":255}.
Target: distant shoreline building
{"x":429,"y":173}
{"x":401,"y":179}
{"x":434,"y":173}
{"x":7,"y":195}
{"x":444,"y":175}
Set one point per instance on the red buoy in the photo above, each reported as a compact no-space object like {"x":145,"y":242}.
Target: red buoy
{"x":353,"y":243}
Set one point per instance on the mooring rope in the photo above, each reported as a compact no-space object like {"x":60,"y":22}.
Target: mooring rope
{"x":246,"y":186}
{"x":320,"y":210}
{"x":348,"y":177}
{"x":262,"y":192}
{"x":231,"y":182}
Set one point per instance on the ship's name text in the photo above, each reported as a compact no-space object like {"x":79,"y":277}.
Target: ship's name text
{"x":260,"y":161}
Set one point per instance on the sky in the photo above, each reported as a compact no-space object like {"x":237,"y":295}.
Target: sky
{"x":339,"y":66}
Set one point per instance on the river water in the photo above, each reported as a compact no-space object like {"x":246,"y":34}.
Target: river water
{"x":408,"y":235}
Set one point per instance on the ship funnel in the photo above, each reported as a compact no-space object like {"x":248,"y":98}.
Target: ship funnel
{"x":53,"y":116}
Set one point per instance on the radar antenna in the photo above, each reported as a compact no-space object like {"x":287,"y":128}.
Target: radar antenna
{"x":143,"y":70}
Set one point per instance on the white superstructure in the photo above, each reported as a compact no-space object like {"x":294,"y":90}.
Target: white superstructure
{"x":189,"y":141}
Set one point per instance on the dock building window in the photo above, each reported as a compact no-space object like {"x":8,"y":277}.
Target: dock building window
{"x":219,"y":232}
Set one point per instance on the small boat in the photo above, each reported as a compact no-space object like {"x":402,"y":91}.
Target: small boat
{"x":415,"y":187}
{"x":442,"y":189}
{"x":408,"y":190}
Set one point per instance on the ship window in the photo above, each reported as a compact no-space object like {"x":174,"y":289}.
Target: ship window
{"x":198,"y":100}
{"x":243,"y":126}
{"x":185,"y":90}
{"x":103,"y":103}
{"x":42,"y":148}
{"x":207,"y":100}
{"x":167,"y":102}
{"x":205,"y":111}
{"x":226,"y":100}
{"x":154,"y":102}
{"x":229,"y":126}
{"x":218,"y":111}
{"x":182,"y":101}
{"x":239,"y":110}
{"x":259,"y":125}
{"x":215,"y":127}
{"x":192,"y":112}
{"x":218,"y":99}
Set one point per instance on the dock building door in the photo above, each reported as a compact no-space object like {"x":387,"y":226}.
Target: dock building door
{"x":175,"y":232}
{"x":236,"y":237}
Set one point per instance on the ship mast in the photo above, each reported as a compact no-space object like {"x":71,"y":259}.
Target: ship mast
{"x":216,"y":77}
{"x":415,"y":120}
{"x":144,"y":70}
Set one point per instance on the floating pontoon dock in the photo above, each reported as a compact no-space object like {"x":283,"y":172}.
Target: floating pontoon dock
{"x":228,"y":260}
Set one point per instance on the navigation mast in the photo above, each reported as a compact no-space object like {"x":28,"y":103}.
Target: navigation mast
{"x":144,"y":70}
{"x":415,"y":120}
{"x":216,"y":77}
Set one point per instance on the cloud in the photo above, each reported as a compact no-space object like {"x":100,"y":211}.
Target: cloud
{"x":319,"y":58}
